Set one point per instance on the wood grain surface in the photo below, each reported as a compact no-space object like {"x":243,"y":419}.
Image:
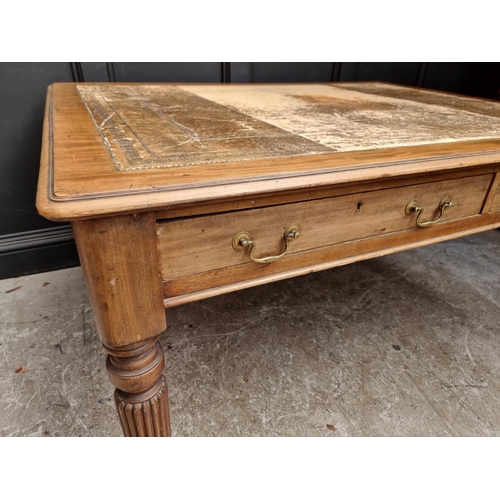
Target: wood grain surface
{"x":124,"y":148}
{"x":200,"y":244}
{"x":494,"y":199}
{"x":212,"y":283}
{"x":120,"y":263}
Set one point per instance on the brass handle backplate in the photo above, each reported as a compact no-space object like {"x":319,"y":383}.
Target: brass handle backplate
{"x":413,"y":208}
{"x":243,"y":241}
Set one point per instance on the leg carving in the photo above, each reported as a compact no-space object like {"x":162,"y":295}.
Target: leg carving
{"x":141,"y":395}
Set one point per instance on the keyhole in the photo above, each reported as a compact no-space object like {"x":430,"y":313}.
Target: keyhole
{"x":358,"y":207}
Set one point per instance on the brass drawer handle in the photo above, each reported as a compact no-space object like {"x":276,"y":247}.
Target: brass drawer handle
{"x":243,"y":240}
{"x":413,"y":208}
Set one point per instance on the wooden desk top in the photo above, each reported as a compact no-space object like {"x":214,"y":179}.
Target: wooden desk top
{"x":121,"y":148}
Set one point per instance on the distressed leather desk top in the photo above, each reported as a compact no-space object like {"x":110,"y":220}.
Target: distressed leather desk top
{"x":115,"y":148}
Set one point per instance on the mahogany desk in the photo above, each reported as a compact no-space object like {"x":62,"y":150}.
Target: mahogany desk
{"x":181,"y":192}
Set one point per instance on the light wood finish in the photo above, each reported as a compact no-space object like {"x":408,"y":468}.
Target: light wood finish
{"x":213,"y":283}
{"x":297,"y":195}
{"x":493,"y":202}
{"x":120,"y":264}
{"x":185,"y":291}
{"x":79,"y":177}
{"x":141,"y":396}
{"x":203,"y":244}
{"x":157,"y":179}
{"x":119,"y":259}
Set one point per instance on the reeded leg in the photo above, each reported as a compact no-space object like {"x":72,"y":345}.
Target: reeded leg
{"x":120,"y":262}
{"x":141,"y":396}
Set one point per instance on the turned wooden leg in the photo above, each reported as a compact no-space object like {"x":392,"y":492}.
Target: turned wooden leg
{"x":119,"y":257}
{"x":141,"y":393}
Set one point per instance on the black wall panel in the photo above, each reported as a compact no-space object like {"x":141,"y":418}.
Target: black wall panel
{"x":23,"y":87}
{"x":97,"y":71}
{"x":28,"y":242}
{"x":167,"y":72}
{"x":402,"y":73}
{"x":476,"y":79}
{"x":264,"y":72}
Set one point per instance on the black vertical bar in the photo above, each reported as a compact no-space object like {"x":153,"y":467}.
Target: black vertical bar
{"x":76,"y":70}
{"x":111,"y":72}
{"x":336,"y":71}
{"x":421,"y":74}
{"x":226,"y":72}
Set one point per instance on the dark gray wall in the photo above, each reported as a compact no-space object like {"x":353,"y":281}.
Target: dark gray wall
{"x":29,"y":243}
{"x":22,"y":98}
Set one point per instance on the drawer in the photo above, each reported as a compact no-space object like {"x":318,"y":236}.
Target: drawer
{"x":190,"y":246}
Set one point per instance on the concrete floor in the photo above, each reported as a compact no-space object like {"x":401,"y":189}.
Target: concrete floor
{"x":403,"y":345}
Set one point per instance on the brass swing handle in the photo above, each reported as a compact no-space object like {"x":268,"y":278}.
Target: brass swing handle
{"x":243,"y":240}
{"x":413,"y":208}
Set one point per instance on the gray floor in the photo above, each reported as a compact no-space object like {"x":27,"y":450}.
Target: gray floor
{"x":403,"y":345}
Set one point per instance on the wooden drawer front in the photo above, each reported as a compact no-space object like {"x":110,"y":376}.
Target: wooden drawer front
{"x":495,"y":206}
{"x":199,"y":244}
